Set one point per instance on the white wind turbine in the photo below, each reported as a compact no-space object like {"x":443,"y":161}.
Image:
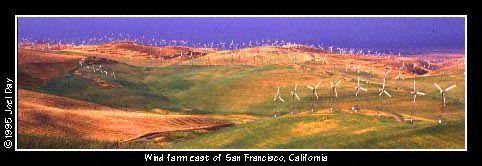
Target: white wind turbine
{"x":457,"y":63}
{"x":386,"y":74}
{"x":381,"y":92}
{"x":346,"y":67}
{"x":334,"y":94}
{"x":428,"y":63}
{"x":383,"y":89}
{"x":443,"y":93}
{"x":414,"y":93}
{"x":294,"y":94}
{"x":357,"y":93}
{"x":324,"y":61}
{"x":357,"y":68}
{"x":314,"y":91}
{"x":399,"y":78}
{"x":277,"y":99}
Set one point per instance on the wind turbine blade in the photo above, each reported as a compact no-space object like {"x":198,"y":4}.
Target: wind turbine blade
{"x":388,"y":94}
{"x":414,"y":97}
{"x":414,"y":85}
{"x":296,"y":95}
{"x":338,"y":82}
{"x":451,"y":87}
{"x":331,"y":83}
{"x":438,"y":87}
{"x":316,"y":94}
{"x":380,"y":94}
{"x":318,"y":84}
{"x":296,"y":86}
{"x":281,"y":99}
{"x":421,"y":93}
{"x":363,"y":89}
{"x":336,"y":94}
{"x":310,"y":87}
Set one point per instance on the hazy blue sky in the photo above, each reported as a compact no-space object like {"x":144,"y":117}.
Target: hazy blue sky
{"x":341,"y":32}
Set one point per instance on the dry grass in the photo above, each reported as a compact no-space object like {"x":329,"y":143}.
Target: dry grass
{"x":363,"y":131}
{"x":26,"y":56}
{"x":48,"y":115}
{"x":311,"y":128}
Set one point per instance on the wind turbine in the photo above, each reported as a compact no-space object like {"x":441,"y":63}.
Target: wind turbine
{"x":386,"y":74}
{"x":381,"y":92}
{"x":457,"y":64}
{"x":276,"y":99}
{"x":334,"y":94}
{"x":428,"y":63}
{"x":357,"y":67}
{"x":346,"y":67}
{"x":294,"y":94}
{"x":357,"y":93}
{"x":443,"y":93}
{"x":314,"y":91}
{"x":399,"y":78}
{"x":239,"y":56}
{"x":414,"y":93}
{"x":324,"y":61}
